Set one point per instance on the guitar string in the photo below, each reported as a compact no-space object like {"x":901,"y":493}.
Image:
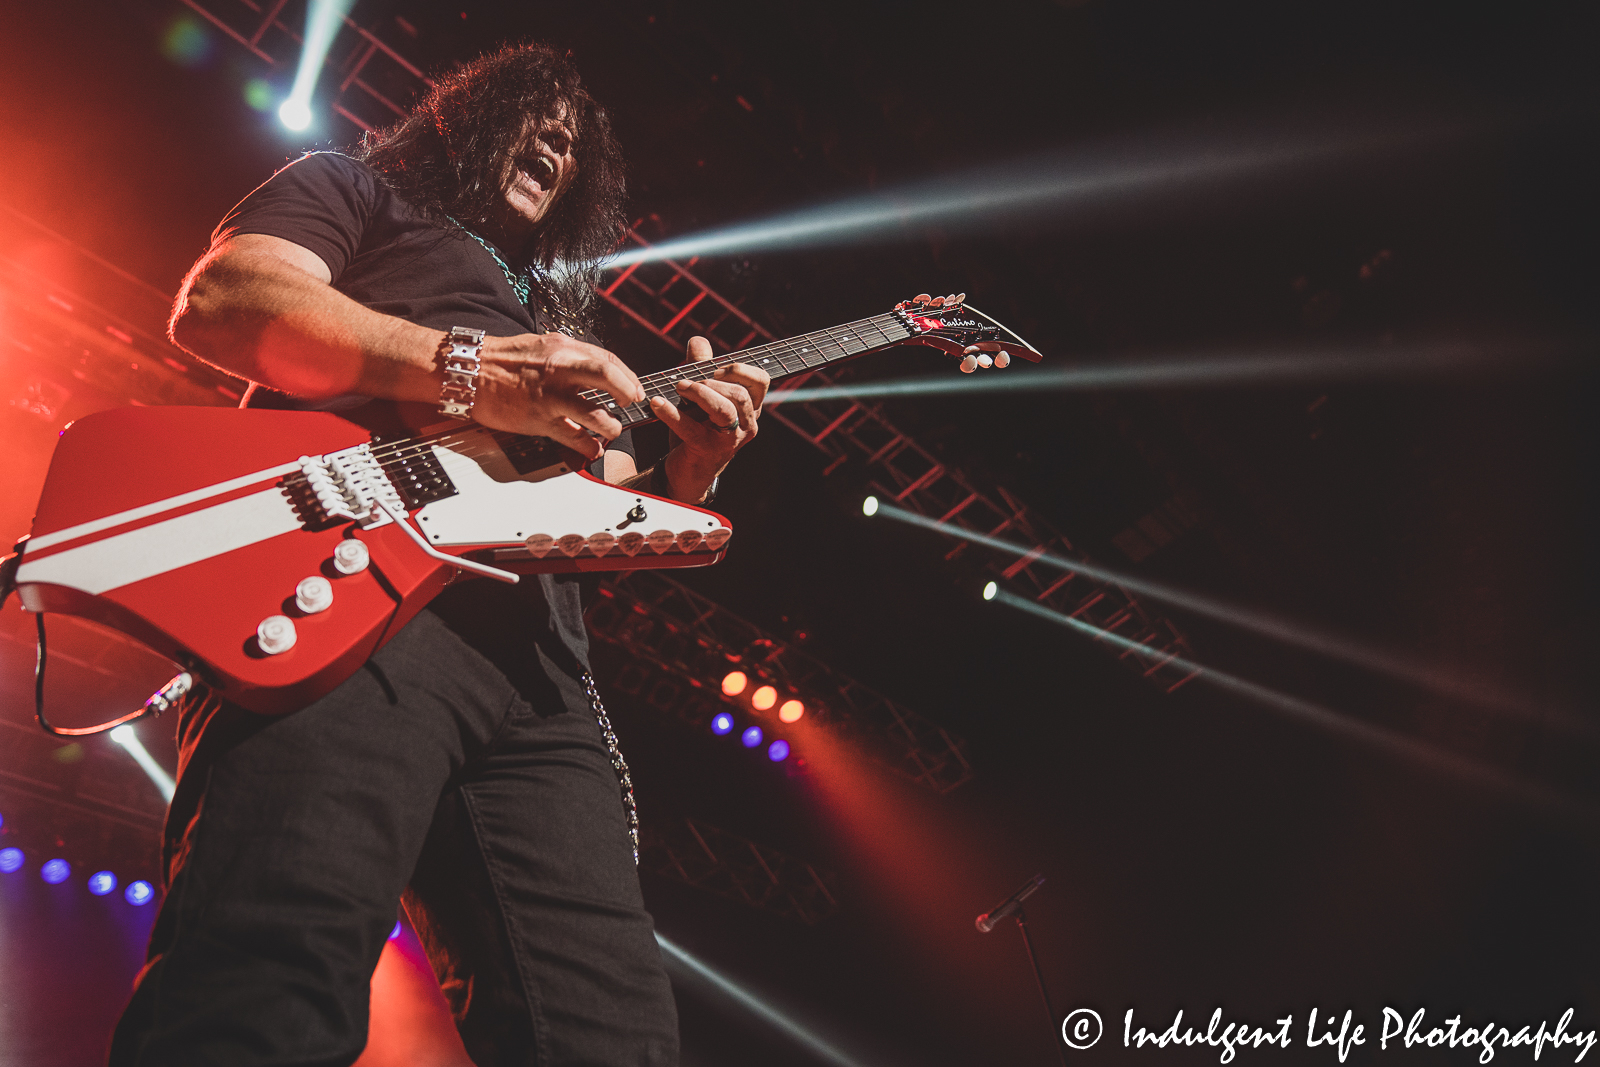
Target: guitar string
{"x":471,"y":442}
{"x":660,"y":384}
{"x":635,"y":414}
{"x":798,"y":349}
{"x":782,"y":352}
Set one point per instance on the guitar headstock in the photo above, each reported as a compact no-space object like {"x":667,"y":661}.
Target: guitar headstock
{"x":943,"y":322}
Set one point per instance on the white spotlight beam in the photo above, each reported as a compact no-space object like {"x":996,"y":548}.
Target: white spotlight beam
{"x":1334,"y":722}
{"x":323,"y":19}
{"x":1455,"y":683}
{"x":125,"y":736}
{"x":757,"y":1006}
{"x":1047,"y":185}
{"x":1213,"y":370}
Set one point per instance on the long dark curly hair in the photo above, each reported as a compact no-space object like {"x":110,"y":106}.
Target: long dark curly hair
{"x":449,"y":156}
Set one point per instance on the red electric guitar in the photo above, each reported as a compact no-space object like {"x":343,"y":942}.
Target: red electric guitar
{"x":272,"y":552}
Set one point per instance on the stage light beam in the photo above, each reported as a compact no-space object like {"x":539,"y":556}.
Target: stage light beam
{"x":102,"y":882}
{"x":751,"y":737}
{"x":139,"y":893}
{"x":1219,"y":370}
{"x":1178,"y":170}
{"x":758,"y":1006}
{"x":11,"y":860}
{"x":734,"y":683}
{"x":322,"y":22}
{"x":124,"y":736}
{"x":1455,"y":683}
{"x":1335,"y":722}
{"x":721,"y":723}
{"x":792,"y":711}
{"x":764,"y":698}
{"x":295,"y":114}
{"x":55,"y":871}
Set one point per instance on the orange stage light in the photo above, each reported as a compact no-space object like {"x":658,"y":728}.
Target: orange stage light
{"x":735,"y":683}
{"x":791,"y":711}
{"x":764,"y":698}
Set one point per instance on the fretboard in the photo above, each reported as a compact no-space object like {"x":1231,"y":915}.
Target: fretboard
{"x":780,"y":359}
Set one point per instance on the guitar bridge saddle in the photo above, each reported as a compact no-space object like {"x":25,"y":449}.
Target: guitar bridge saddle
{"x":346,"y":485}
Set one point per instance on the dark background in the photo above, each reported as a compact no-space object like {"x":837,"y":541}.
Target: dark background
{"x":1200,"y":851}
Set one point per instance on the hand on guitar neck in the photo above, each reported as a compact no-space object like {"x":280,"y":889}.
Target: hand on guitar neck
{"x":713,"y":418}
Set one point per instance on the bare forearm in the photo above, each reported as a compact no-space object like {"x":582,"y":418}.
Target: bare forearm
{"x":264,"y":308}
{"x":256,"y":315}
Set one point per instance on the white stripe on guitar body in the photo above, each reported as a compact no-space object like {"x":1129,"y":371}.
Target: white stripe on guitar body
{"x":130,"y":531}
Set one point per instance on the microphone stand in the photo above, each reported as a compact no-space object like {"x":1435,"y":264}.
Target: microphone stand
{"x":1038,"y":974}
{"x":1012,"y":906}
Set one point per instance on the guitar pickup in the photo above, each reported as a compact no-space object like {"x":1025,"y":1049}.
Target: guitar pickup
{"x":414,"y":471}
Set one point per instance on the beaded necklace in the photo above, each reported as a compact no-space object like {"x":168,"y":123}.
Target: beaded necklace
{"x":522,"y":284}
{"x":519,"y":282}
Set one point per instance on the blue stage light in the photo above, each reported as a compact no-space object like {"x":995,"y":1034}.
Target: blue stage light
{"x":102,"y":882}
{"x":55,"y":871}
{"x":721,"y":723}
{"x":11,"y":859}
{"x":778,"y":751}
{"x":139,"y":893}
{"x":751,"y":737}
{"x":396,"y":931}
{"x":2,"y":819}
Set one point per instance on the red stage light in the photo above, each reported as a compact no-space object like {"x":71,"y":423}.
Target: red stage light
{"x":764,"y":698}
{"x":735,"y":683}
{"x":791,"y":711}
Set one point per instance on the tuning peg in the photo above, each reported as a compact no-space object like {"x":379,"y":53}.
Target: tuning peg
{"x":936,"y":302}
{"x":921,"y":298}
{"x":1002,"y":360}
{"x":969,"y":364}
{"x":960,"y":298}
{"x":985,"y":362}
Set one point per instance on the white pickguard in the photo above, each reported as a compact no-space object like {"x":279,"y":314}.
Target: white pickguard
{"x":496,"y":505}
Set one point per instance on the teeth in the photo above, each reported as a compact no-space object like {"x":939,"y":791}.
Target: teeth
{"x":549,"y":167}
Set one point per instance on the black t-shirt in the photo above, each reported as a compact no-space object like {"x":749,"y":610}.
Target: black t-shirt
{"x":387,"y":255}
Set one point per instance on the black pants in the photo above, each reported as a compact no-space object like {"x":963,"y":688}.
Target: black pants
{"x":291,"y":839}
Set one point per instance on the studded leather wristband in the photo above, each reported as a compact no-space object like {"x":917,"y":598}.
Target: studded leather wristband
{"x":459,"y":352}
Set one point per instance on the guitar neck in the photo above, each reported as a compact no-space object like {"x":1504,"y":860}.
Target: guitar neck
{"x":780,"y":359}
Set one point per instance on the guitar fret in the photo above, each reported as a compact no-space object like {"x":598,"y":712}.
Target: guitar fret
{"x":780,"y":359}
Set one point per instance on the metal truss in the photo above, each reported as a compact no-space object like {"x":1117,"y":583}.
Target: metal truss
{"x":688,"y":850}
{"x":692,"y":642}
{"x":372,"y":74}
{"x":667,"y":299}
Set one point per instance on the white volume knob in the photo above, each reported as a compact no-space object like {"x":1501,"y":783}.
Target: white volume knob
{"x":351,"y":556}
{"x":275,"y":634}
{"x":314,"y":594}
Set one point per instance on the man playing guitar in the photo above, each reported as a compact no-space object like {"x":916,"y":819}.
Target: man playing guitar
{"x":468,"y":769}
